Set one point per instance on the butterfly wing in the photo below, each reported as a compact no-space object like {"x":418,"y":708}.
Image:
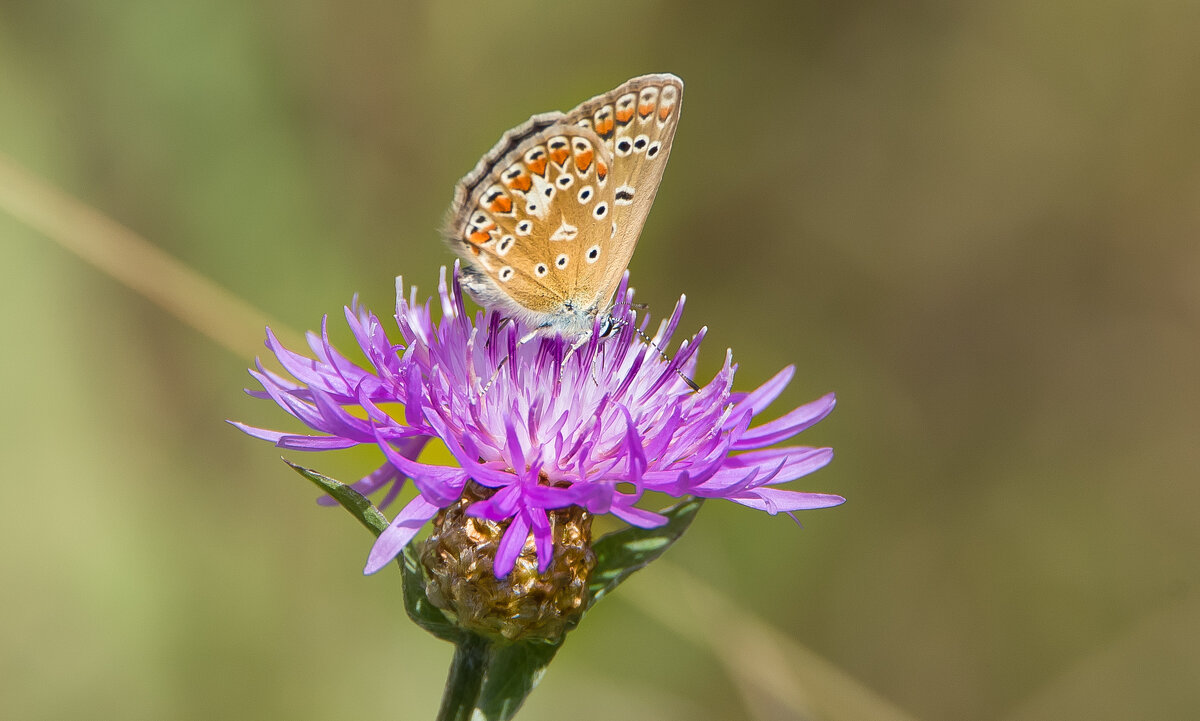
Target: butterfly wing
{"x":523,"y":219}
{"x":548,"y":220}
{"x":637,"y":123}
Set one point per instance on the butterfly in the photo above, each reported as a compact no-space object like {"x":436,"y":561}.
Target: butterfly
{"x":547,"y":221}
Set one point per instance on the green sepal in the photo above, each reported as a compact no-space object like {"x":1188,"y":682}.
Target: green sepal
{"x":420,"y":609}
{"x":620,"y":553}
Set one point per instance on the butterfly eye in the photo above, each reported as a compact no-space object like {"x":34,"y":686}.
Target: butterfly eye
{"x":524,"y":227}
{"x":561,"y":261}
{"x":505,"y":243}
{"x":653,"y":149}
{"x":565,"y":181}
{"x":625,"y":195}
{"x":640,"y":143}
{"x":607,"y":326}
{"x":593,"y":253}
{"x":585,"y":194}
{"x":506,"y":274}
{"x":600,"y":211}
{"x":540,"y":270}
{"x":624,"y":146}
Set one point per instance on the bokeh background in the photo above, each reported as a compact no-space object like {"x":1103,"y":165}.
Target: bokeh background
{"x":976,"y":222}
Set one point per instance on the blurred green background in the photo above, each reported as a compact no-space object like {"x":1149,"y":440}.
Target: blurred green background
{"x":976,"y":222}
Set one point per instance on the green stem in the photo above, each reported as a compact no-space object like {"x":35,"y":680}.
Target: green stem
{"x":466,"y":678}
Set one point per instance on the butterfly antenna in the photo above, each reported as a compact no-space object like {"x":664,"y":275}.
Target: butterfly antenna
{"x":691,"y":383}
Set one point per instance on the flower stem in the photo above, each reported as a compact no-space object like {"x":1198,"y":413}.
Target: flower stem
{"x":466,"y":678}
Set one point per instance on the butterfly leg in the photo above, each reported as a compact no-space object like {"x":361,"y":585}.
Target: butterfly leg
{"x":495,"y":375}
{"x":500,"y":366}
{"x":579,"y":343}
{"x":499,"y":327}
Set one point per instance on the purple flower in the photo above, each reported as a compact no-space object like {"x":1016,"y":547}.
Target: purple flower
{"x":543,"y":426}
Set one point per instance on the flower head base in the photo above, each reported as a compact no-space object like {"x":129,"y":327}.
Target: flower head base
{"x":542,"y":427}
{"x":526,"y":603}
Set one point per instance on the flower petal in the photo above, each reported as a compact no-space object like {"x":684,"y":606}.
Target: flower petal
{"x":441,"y":484}
{"x":399,"y":532}
{"x":542,"y":421}
{"x":774,"y":500}
{"x":788,"y":425}
{"x":510,"y":546}
{"x":758,"y":399}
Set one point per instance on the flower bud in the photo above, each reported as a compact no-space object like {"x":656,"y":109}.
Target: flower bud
{"x":523,"y":605}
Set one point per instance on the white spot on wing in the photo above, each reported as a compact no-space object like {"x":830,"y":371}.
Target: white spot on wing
{"x":566,"y":231}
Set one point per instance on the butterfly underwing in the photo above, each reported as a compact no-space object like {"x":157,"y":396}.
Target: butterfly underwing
{"x":546,"y":223}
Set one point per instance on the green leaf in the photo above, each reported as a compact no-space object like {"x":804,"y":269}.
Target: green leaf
{"x":353,"y":501}
{"x":416,"y":603}
{"x":512,"y":672}
{"x":620,"y":553}
{"x":420,"y":609}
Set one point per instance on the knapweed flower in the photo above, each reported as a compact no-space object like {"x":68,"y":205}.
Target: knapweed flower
{"x":536,"y":427}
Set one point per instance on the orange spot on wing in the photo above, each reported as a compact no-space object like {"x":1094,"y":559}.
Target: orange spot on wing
{"x":625,"y":115}
{"x":664,"y":111}
{"x":521,"y":183}
{"x":601,"y":170}
{"x":604,"y":126}
{"x":583,"y":160}
{"x":559,"y":155}
{"x":644,"y":109}
{"x":503,"y":204}
{"x":481,"y":236}
{"x":537,"y":166}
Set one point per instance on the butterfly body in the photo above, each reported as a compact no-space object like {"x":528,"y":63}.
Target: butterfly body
{"x":548,"y":220}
